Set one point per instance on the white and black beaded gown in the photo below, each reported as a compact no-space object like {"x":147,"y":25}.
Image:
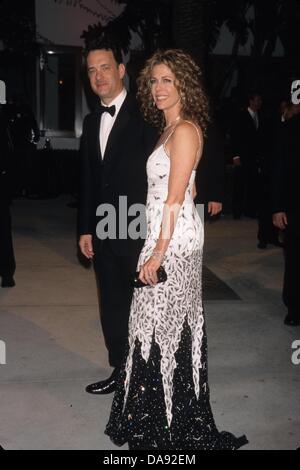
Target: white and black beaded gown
{"x":162,"y":398}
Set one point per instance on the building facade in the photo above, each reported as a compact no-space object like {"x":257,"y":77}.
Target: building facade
{"x":62,"y":91}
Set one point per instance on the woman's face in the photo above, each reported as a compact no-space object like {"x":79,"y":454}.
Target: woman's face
{"x":163,"y":89}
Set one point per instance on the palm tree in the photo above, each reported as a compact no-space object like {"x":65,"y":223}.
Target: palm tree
{"x":195,"y":26}
{"x":149,"y":19}
{"x":289,"y":33}
{"x":269,"y":21}
{"x":188,"y":26}
{"x":232,"y":14}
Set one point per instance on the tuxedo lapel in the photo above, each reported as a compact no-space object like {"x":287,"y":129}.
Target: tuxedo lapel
{"x":114,"y":139}
{"x":95,"y":135}
{"x":252,"y":122}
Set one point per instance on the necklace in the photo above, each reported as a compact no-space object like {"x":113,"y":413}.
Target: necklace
{"x":172,"y":122}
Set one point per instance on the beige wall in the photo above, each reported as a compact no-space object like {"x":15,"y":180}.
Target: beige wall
{"x":64,"y":21}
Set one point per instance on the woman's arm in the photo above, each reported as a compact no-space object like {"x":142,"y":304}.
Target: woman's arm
{"x":183,"y":148}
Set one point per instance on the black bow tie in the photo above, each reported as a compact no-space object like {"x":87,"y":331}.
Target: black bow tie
{"x":108,"y":109}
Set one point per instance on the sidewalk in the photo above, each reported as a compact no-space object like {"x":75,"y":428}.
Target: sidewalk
{"x":54,"y":345}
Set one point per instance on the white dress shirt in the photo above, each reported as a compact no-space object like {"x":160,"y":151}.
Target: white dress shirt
{"x":107,"y":121}
{"x":254,"y":117}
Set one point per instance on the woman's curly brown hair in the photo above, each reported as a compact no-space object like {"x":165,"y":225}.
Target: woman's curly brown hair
{"x":188,"y":82}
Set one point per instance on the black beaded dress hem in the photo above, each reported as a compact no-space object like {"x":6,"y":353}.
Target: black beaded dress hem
{"x":143,"y":424}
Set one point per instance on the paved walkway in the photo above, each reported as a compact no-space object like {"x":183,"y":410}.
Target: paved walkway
{"x":54,"y":347}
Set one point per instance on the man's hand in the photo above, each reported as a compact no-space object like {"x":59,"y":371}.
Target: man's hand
{"x":280,"y":220}
{"x":214,"y":208}
{"x":86,"y":246}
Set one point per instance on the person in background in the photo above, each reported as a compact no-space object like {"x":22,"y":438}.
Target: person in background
{"x":286,"y":110}
{"x":246,"y":143}
{"x":7,"y":258}
{"x":286,"y":210}
{"x":25,"y":135}
{"x":268,"y":234}
{"x":210,"y":177}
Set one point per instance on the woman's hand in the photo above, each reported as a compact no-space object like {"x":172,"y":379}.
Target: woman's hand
{"x":148,"y":272}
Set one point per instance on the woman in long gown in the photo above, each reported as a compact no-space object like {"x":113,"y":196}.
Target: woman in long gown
{"x":162,"y":398}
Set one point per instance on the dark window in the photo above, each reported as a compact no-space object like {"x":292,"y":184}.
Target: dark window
{"x":60,"y":99}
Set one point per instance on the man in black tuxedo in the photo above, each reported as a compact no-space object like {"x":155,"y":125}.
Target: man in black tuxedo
{"x":7,"y":258}
{"x":114,"y":148}
{"x":286,"y":210}
{"x":246,"y":141}
{"x":210,"y":176}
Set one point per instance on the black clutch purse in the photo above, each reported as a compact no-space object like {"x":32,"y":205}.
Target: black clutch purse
{"x":161,"y":275}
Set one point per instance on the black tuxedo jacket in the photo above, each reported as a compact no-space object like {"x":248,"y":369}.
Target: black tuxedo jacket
{"x":5,"y":158}
{"x":122,"y":171}
{"x":210,"y":176}
{"x":247,"y":140}
{"x":286,"y":169}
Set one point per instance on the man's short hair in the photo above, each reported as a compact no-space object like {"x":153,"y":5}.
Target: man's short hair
{"x":252,"y":95}
{"x":107,"y":42}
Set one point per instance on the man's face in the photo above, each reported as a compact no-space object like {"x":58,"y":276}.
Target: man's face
{"x":256,"y":103}
{"x":105,"y":75}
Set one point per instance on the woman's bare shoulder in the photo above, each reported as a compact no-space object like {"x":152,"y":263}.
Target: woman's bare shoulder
{"x":188,"y":129}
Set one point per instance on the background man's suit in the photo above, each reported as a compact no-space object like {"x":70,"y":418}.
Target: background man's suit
{"x":7,"y":259}
{"x":120,"y":172}
{"x":210,"y":177}
{"x":246,"y":140}
{"x":285,"y":198}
